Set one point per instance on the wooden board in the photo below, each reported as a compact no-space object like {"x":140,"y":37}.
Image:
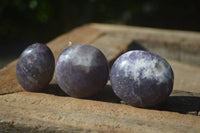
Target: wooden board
{"x":54,"y":111}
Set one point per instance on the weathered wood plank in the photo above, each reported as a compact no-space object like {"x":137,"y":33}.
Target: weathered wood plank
{"x":44,"y":111}
{"x":183,"y":46}
{"x":104,"y":112}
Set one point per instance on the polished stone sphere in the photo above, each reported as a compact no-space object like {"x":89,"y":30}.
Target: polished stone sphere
{"x":35,"y":67}
{"x":81,"y":71}
{"x":141,"y":78}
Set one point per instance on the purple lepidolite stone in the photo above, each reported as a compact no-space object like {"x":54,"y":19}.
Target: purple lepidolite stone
{"x":81,"y":71}
{"x":141,"y":78}
{"x":35,"y":67}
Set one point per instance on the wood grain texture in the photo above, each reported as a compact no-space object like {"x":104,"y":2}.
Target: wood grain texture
{"x":183,"y":46}
{"x":43,"y":111}
{"x":53,"y":111}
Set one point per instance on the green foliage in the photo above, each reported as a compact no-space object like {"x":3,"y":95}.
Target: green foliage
{"x":54,"y":17}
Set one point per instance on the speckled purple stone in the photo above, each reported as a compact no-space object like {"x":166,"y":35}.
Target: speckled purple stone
{"x":141,"y":78}
{"x":35,"y":67}
{"x":81,"y":71}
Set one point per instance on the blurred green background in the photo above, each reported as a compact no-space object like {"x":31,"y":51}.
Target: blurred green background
{"x":23,"y":22}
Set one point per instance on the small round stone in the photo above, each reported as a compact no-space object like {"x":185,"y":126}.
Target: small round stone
{"x":81,"y":71}
{"x":35,"y":67}
{"x":141,"y":78}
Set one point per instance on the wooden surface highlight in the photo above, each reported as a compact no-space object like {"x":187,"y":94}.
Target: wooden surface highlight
{"x":54,"y":111}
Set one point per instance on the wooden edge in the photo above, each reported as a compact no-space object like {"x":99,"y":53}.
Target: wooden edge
{"x":170,"y":37}
{"x":61,"y":113}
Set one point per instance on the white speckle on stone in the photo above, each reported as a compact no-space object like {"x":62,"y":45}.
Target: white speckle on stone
{"x":87,"y":59}
{"x":63,"y":57}
{"x":33,"y":59}
{"x":124,"y":67}
{"x":66,"y":55}
{"x":128,"y":53}
{"x":27,"y":51}
{"x":152,"y":69}
{"x":148,"y":69}
{"x":137,"y":66}
{"x":29,"y":61}
{"x":78,"y":60}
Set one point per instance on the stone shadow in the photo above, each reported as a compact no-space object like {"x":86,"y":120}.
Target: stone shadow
{"x":104,"y":95}
{"x":135,"y":45}
{"x":180,"y":104}
{"x":54,"y":89}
